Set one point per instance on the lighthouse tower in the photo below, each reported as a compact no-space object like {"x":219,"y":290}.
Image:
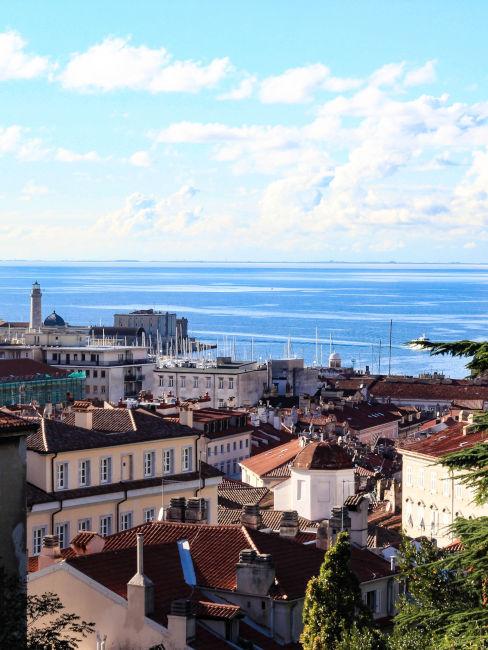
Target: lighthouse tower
{"x":35,"y":307}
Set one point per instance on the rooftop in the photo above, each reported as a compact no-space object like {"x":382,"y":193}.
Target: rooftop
{"x":28,"y":370}
{"x":448,"y":440}
{"x":272,"y":459}
{"x":322,"y":456}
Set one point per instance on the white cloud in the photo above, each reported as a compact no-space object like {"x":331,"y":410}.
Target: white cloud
{"x":242,"y":91}
{"x":10,"y":138}
{"x":298,"y":85}
{"x":424,"y":75}
{"x":115,"y":64}
{"x":68,"y":156}
{"x":388,"y":74}
{"x":32,"y":189}
{"x":15,"y":63}
{"x":140,"y":159}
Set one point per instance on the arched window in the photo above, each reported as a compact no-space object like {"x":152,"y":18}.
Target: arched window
{"x":434,"y":520}
{"x":409,"y":512}
{"x":421,"y":515}
{"x":446,"y":517}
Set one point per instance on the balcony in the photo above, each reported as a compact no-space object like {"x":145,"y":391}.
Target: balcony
{"x":132,"y":377}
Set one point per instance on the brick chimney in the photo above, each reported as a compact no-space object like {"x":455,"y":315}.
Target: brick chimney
{"x":251,"y":516}
{"x":181,"y":623}
{"x":358,"y":514}
{"x":140,"y":589}
{"x":289,"y":524}
{"x":50,"y":552}
{"x":196,"y":511}
{"x":255,"y":573}
{"x":177,"y":509}
{"x":322,"y":539}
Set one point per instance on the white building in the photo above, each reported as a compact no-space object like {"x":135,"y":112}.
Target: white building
{"x":227,"y":382}
{"x":432,"y":497}
{"x":321,"y":477}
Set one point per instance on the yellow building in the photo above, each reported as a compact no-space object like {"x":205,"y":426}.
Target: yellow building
{"x":108,"y":470}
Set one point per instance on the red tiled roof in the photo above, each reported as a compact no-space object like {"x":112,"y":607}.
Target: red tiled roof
{"x":322,"y":455}
{"x":273,"y":458}
{"x":13,"y":424}
{"x":236,"y":498}
{"x":210,"y":610}
{"x":359,"y":416}
{"x":28,"y":369}
{"x":422,"y":389}
{"x":271,"y":518}
{"x":445,"y":441}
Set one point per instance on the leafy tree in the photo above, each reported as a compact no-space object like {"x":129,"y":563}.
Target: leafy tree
{"x":333,"y":600}
{"x":357,"y":638}
{"x":48,"y":626}
{"x":477,"y":350}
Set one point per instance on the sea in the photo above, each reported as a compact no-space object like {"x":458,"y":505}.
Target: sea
{"x":275,"y":309}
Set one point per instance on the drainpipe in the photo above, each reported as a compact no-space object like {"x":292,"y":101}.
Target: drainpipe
{"x":117,"y":509}
{"x":53,"y":514}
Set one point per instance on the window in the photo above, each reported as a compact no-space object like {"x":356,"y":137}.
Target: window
{"x":84,"y":524}
{"x":228,"y":446}
{"x":208,"y":382}
{"x":221,"y":449}
{"x":228,"y":467}
{"x":234,"y":467}
{"x":102,"y":374}
{"x":209,"y":452}
{"x":409,"y":512}
{"x":195,"y":382}
{"x":149,"y":515}
{"x":186,"y":453}
{"x":95,"y":373}
{"x":231,"y":383}
{"x":87,"y":389}
{"x":234,"y":446}
{"x":106,"y":525}
{"x":434,"y":520}
{"x":421,"y":478}
{"x":102,"y":389}
{"x":216,"y":450}
{"x":221,"y":382}
{"x":93,"y":357}
{"x":106,"y":470}
{"x":433,"y":482}
{"x":299,"y":489}
{"x":168,"y":461}
{"x":83,"y":356}
{"x":221,"y":403}
{"x":247,"y":442}
{"x":75,"y":356}
{"x":87,"y":372}
{"x":149,"y":461}
{"x":84,"y":473}
{"x":55,"y":356}
{"x":61,"y":476}
{"x":458,"y":489}
{"x":409,"y":476}
{"x":171,"y":381}
{"x":95,"y":389}
{"x":62,"y":533}
{"x":446,"y":487}
{"x":38,"y":534}
{"x":372,"y":600}
{"x":161,"y":381}
{"x":182,"y":381}
{"x":125,"y":520}
{"x":240,"y":444}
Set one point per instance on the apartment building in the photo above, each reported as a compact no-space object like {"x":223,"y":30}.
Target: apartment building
{"x":111,"y":469}
{"x":226,"y":437}
{"x":154,"y":323}
{"x":227,"y":382}
{"x":432,"y":497}
{"x":113,"y":372}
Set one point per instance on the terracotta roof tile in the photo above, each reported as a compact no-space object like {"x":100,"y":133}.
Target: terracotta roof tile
{"x":273,"y":458}
{"x":236,"y":498}
{"x":322,"y":455}
{"x":455,"y":390}
{"x":445,"y":441}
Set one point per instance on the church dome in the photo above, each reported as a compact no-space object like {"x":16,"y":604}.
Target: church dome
{"x":54,"y":320}
{"x":322,"y":455}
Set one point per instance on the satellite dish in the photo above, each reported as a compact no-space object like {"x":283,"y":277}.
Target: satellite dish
{"x":161,"y":514}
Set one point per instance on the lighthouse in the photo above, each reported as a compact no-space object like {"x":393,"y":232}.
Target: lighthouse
{"x":35,"y":307}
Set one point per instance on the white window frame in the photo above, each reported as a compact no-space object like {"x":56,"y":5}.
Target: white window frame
{"x":149,"y":514}
{"x":126,"y":520}
{"x":61,"y":529}
{"x":105,"y":470}
{"x":168,"y":461}
{"x":421,"y":477}
{"x":62,"y":475}
{"x":149,"y":463}
{"x":84,"y":472}
{"x":231,"y":383}
{"x":433,"y":482}
{"x":409,"y":476}
{"x":84,"y":524}
{"x":171,"y":381}
{"x":195,"y":381}
{"x":186,"y":458}
{"x":106,"y":522}
{"x":182,"y":381}
{"x":221,"y":383}
{"x":208,"y":382}
{"x":38,"y":534}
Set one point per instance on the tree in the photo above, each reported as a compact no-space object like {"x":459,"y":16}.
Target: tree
{"x":477,"y":350}
{"x":333,"y":600}
{"x":48,"y":626}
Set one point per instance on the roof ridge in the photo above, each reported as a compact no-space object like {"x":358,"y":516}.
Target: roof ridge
{"x":247,"y":536}
{"x":43,"y":432}
{"x":131,"y":417}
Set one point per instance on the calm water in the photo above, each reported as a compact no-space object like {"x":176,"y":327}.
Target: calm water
{"x":271,"y":302}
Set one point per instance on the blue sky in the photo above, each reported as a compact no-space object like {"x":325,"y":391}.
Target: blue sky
{"x":244,"y":131}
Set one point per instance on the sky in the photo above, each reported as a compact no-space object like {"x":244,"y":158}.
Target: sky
{"x":261,"y":131}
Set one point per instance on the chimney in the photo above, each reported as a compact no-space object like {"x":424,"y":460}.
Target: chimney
{"x":140,"y":589}
{"x":358,"y":515}
{"x":186,"y":415}
{"x":181,"y":623}
{"x":289,"y":524}
{"x":50,"y":552}
{"x":177,"y":509}
{"x":251,"y":516}
{"x":196,"y":511}
{"x":338,"y":521}
{"x":277,"y":420}
{"x":255,"y":573}
{"x":84,"y":418}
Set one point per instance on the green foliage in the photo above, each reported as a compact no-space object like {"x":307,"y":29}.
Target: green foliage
{"x":357,"y":638}
{"x":333,"y":600}
{"x":477,"y":350}
{"x":472,"y":463}
{"x":48,"y":626}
